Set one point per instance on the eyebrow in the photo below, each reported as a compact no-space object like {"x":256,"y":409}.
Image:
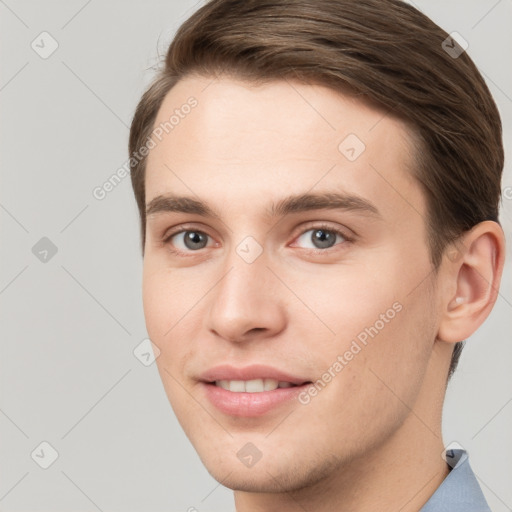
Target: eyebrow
{"x":291,"y":204}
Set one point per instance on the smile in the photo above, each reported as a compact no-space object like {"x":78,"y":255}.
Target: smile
{"x":250,"y":391}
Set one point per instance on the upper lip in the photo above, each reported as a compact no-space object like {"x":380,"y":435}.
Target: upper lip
{"x":252,"y":372}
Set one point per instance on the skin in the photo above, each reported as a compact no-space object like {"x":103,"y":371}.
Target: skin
{"x":371,"y":439}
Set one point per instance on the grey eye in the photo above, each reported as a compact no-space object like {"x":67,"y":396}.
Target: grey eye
{"x":319,"y":238}
{"x":190,"y":240}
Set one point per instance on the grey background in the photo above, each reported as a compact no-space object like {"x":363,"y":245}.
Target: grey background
{"x":69,"y":326}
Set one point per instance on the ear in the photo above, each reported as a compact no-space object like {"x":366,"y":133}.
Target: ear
{"x":474,"y":269}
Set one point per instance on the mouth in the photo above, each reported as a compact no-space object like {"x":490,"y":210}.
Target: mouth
{"x":251,"y":391}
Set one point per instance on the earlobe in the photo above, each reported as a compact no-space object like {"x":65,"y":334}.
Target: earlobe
{"x":476,"y":273}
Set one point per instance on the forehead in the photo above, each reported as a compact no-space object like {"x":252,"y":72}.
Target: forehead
{"x":242,"y":145}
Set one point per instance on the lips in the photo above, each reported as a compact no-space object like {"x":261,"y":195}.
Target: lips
{"x":251,"y":391}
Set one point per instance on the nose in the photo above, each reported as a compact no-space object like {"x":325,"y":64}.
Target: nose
{"x":246,"y":302}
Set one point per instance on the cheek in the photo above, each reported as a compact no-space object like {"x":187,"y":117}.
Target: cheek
{"x":370,"y":397}
{"x":384,"y":333}
{"x":165,"y":311}
{"x":349,"y":299}
{"x":166,"y":298}
{"x":172,"y":311}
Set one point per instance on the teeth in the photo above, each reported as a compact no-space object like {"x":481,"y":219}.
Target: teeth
{"x":237,"y":386}
{"x":252,"y":386}
{"x":270,"y":384}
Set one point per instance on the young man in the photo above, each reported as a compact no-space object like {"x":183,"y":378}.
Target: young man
{"x":318,"y":185}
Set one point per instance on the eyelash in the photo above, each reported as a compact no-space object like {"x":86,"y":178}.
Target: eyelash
{"x":323,"y":227}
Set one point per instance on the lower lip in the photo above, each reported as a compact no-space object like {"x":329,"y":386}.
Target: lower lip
{"x":249,"y":404}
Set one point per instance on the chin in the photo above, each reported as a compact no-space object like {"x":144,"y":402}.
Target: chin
{"x":259,"y":484}
{"x":276,"y":474}
{"x":252,"y":480}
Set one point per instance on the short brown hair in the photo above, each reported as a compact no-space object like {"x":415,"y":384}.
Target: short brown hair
{"x":387,"y":51}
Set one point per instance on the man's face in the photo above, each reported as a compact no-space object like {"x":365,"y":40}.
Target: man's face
{"x":267,"y":288}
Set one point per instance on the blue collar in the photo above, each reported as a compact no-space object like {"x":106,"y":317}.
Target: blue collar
{"x":460,"y":491}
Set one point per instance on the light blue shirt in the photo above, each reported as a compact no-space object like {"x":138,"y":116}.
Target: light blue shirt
{"x":460,"y":491}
